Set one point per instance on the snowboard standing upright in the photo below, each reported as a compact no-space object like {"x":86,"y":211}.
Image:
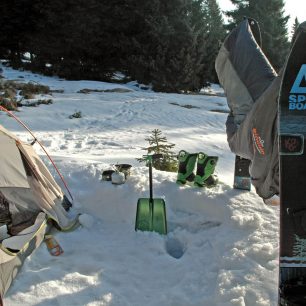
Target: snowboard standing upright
{"x":292,"y":124}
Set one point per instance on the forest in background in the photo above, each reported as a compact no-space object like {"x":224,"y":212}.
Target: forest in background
{"x":171,"y":44}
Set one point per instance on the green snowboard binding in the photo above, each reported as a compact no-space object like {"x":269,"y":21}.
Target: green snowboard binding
{"x":187,"y":163}
{"x":205,"y":168}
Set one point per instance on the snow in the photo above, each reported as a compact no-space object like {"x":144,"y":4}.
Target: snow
{"x":222,"y":245}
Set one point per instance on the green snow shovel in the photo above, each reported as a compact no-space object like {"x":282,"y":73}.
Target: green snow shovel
{"x":151,"y":213}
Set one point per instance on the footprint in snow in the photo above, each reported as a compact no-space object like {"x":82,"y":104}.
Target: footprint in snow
{"x":175,"y":248}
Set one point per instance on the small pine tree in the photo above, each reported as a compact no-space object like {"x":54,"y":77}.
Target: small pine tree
{"x":158,"y":145}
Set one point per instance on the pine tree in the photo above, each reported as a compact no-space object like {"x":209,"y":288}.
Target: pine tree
{"x":215,"y":35}
{"x":16,"y":23}
{"x":295,"y":26}
{"x":158,"y":144}
{"x":170,"y":51}
{"x":273,"y":24}
{"x":171,"y":44}
{"x":69,"y":36}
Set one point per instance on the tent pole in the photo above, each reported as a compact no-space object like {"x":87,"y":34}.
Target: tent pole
{"x":41,"y":145}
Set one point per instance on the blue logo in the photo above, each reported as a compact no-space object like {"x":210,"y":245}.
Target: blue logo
{"x":297,"y":88}
{"x":297,"y":97}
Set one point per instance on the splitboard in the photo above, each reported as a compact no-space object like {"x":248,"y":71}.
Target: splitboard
{"x":292,"y":124}
{"x":242,"y":179}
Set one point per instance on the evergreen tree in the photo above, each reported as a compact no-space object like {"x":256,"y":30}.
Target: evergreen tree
{"x":69,"y":37}
{"x":295,"y":26}
{"x":158,"y":144}
{"x":170,"y":53}
{"x":171,"y":44}
{"x":216,"y":34}
{"x":176,"y":61}
{"x":16,"y":23}
{"x":273,"y":24}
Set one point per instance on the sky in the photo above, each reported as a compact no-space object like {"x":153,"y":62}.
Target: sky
{"x":294,"y":8}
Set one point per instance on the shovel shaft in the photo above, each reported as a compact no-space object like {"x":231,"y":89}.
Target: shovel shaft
{"x":149,"y":159}
{"x":151,"y":181}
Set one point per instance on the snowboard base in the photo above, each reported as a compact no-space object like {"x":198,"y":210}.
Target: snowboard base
{"x":293,"y":293}
{"x":292,"y":134}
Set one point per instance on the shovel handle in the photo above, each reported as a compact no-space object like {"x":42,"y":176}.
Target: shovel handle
{"x":151,"y":181}
{"x":149,"y":158}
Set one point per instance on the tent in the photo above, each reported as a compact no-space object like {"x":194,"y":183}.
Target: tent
{"x":29,"y":199}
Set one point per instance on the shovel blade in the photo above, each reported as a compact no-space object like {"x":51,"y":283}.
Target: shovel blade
{"x":151,"y":216}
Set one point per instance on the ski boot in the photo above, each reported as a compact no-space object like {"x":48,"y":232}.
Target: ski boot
{"x":187,"y":163}
{"x":205,"y":169}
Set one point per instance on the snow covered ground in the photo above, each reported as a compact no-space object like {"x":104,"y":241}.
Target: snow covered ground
{"x":222,"y":246}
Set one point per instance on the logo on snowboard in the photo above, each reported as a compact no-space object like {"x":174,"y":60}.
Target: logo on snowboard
{"x":297,"y":98}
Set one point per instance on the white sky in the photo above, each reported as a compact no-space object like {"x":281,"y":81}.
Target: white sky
{"x":294,"y":8}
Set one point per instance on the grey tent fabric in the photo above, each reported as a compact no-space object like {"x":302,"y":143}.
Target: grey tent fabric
{"x":251,"y":86}
{"x":11,"y":165}
{"x":27,"y":184}
{"x":11,"y":259}
{"x":29,"y":197}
